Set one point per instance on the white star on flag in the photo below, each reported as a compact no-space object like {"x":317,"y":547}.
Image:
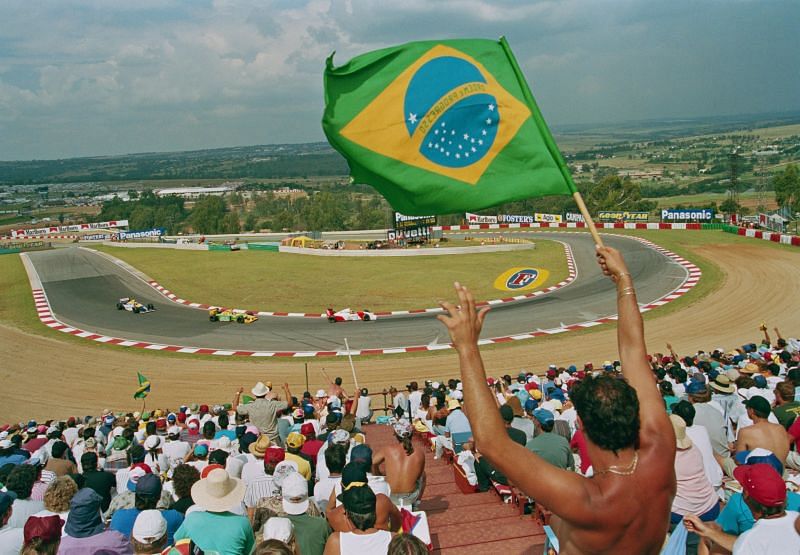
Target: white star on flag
{"x":483,"y":132}
{"x":488,"y":121}
{"x":466,"y":136}
{"x":491,"y":107}
{"x":412,"y":118}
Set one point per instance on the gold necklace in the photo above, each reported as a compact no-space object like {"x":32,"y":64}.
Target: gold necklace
{"x":622,"y":471}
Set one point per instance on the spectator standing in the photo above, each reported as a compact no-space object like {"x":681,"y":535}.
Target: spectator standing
{"x":363,"y":407}
{"x":629,"y":436}
{"x":216,"y":528}
{"x":85,"y":533}
{"x":262,"y":412}
{"x":414,"y":399}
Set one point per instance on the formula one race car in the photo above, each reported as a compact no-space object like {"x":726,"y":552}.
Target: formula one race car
{"x":132,"y":305}
{"x":227,"y":315}
{"x":347,"y":315}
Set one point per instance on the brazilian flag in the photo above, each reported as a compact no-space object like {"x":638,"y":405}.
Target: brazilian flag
{"x":442,"y":126}
{"x":144,"y":387}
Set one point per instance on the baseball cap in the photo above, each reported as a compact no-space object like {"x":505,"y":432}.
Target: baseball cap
{"x":295,"y":440}
{"x":339,"y":437}
{"x":759,"y":405}
{"x":274,"y":455}
{"x":361,"y":453}
{"x":278,"y":528}
{"x":295,"y":494}
{"x":136,"y":474}
{"x":150,"y":526}
{"x":544,"y":416}
{"x":507,"y":413}
{"x":174,"y":431}
{"x":695,"y":388}
{"x":149,"y":485}
{"x":762,"y":483}
{"x":307,"y":429}
{"x":6,"y":500}
{"x":201,"y":450}
{"x":46,"y":528}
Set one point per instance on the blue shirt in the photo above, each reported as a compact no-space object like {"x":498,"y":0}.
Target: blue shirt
{"x":457,"y":422}
{"x":226,"y":533}
{"x":736,"y":518}
{"x":123,"y":521}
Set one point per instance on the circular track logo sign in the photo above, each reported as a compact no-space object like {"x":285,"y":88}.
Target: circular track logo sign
{"x":520,"y":279}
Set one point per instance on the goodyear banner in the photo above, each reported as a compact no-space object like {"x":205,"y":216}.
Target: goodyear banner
{"x":548,"y":218}
{"x":478,"y":219}
{"x":402,"y":221}
{"x":622,"y":216}
{"x":692,"y":214}
{"x":141,"y":234}
{"x":510,"y":219}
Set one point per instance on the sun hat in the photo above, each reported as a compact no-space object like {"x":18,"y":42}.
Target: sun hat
{"x":762,"y":483}
{"x":453,"y":404}
{"x":259,"y":446}
{"x":749,"y":368}
{"x":339,"y":437}
{"x":260,"y":390}
{"x":294,"y":493}
{"x":46,"y":528}
{"x":218,"y":491}
{"x":723,"y":384}
{"x":295,"y":440}
{"x":679,"y":427}
{"x":321,"y":394}
{"x":149,"y":526}
{"x":278,"y":528}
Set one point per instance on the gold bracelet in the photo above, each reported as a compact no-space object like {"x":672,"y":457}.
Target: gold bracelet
{"x":629,"y":288}
{"x":631,"y":292}
{"x":623,"y":274}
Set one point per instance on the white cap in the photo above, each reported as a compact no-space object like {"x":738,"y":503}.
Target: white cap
{"x":174,"y":431}
{"x":152,"y":442}
{"x":295,"y":494}
{"x":459,"y":386}
{"x":320,"y":394}
{"x":149,"y":527}
{"x":278,"y":528}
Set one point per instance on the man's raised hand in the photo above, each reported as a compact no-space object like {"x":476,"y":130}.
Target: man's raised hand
{"x":463,"y":322}
{"x":612,"y":263}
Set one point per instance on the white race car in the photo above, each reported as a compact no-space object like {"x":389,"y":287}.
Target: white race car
{"x":132,"y":305}
{"x":347,"y":315}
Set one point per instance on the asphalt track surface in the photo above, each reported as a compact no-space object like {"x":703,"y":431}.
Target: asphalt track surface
{"x":83,"y":288}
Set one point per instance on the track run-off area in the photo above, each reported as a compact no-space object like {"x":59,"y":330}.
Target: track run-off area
{"x":76,"y":290}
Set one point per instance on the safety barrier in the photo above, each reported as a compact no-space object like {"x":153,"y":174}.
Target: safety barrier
{"x":782,"y":238}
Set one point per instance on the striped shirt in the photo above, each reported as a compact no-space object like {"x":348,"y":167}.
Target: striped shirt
{"x":259,"y":489}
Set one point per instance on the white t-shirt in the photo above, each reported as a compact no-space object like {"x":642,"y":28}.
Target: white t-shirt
{"x":253,"y":471}
{"x":362,"y":410}
{"x":323,"y":489}
{"x":11,"y":540}
{"x":176,"y":451}
{"x":770,"y":535}
{"x":415,"y":400}
{"x":699,"y":436}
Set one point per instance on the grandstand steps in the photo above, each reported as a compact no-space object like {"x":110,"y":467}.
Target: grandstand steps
{"x":475,"y":523}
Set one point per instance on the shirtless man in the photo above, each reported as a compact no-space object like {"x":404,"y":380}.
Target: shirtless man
{"x":404,"y":467}
{"x":625,"y":506}
{"x":763,"y":433}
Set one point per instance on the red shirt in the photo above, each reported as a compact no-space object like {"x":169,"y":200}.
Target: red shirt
{"x":794,"y":431}
{"x":33,"y":445}
{"x":579,"y":442}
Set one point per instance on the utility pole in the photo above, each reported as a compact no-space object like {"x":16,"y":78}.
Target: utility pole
{"x":733,"y":191}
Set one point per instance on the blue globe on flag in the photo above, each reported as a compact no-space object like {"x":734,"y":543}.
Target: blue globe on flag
{"x":444,"y":100}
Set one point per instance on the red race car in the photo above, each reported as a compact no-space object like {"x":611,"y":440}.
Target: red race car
{"x":347,"y":315}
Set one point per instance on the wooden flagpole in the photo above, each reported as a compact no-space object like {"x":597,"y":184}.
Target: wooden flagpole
{"x":352,"y":367}
{"x":587,"y":218}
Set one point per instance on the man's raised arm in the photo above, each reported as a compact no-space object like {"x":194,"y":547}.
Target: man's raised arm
{"x":554,"y":487}
{"x":630,"y":340}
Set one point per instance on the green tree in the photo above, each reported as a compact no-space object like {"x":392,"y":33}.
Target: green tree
{"x":787,"y":188}
{"x":729,"y":206}
{"x":208,"y":214}
{"x":616,"y":193}
{"x":251,"y":222}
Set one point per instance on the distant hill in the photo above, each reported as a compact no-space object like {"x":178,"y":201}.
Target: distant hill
{"x":319,"y":159}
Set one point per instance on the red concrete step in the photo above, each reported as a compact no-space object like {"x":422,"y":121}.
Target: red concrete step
{"x":513,"y":527}
{"x":439,"y":503}
{"x":465,"y":515}
{"x":516,"y":546}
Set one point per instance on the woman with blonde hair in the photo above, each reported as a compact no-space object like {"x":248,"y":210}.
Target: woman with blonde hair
{"x":58,"y":496}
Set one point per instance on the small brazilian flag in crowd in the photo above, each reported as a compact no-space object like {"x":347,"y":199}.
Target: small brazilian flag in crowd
{"x":442,"y":126}
{"x":144,"y":387}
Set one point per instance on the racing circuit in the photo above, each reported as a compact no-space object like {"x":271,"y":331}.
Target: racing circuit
{"x":82,"y":288}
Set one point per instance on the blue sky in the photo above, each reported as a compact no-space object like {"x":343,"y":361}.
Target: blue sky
{"x":98,"y":77}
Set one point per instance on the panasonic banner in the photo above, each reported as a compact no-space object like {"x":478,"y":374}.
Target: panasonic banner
{"x":689,"y":214}
{"x":155,"y":232}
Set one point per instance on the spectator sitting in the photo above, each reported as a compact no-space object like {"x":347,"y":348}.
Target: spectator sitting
{"x":404,"y":467}
{"x":311,"y":445}
{"x":525,"y":425}
{"x":335,"y":457}
{"x":198,"y":457}
{"x":294,"y":443}
{"x":786,"y":407}
{"x":484,"y":471}
{"x":388,"y":516}
{"x":360,"y":507}
{"x":551,"y":447}
{"x":254,"y":468}
{"x":774,"y":531}
{"x":699,"y":437}
{"x":216,"y":528}
{"x":134,"y":456}
{"x":10,"y":455}
{"x":262,"y":487}
{"x":311,"y":531}
{"x":42,"y":535}
{"x":694,"y":494}
{"x":101,"y":481}
{"x":710,"y":417}
{"x":20,"y":483}
{"x":183,"y":478}
{"x":736,"y":517}
{"x":11,"y":539}
{"x":154,"y":457}
{"x":126,"y":499}
{"x":335,"y":437}
{"x":279,"y":537}
{"x":456,"y":423}
{"x":85,"y":533}
{"x":406,"y":544}
{"x":149,"y":534}
{"x":668,"y":394}
{"x":58,"y":496}
{"x":147,"y":497}
{"x":763,"y":433}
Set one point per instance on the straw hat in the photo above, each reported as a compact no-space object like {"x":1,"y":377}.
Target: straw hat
{"x":679,"y":426}
{"x":218,"y":492}
{"x":260,"y":390}
{"x":259,"y":446}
